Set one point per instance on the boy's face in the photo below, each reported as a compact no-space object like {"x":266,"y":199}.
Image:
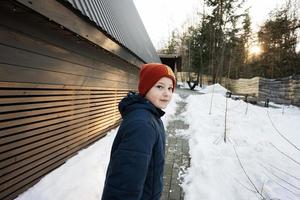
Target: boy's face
{"x":161,"y":93}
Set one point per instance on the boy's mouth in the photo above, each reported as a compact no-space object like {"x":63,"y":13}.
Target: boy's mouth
{"x":164,"y":100}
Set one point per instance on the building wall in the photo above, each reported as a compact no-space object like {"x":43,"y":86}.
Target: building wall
{"x":58,"y":94}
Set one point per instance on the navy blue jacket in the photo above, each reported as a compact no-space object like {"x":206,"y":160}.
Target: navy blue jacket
{"x":135,"y":170}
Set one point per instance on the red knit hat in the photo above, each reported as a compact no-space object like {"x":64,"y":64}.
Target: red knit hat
{"x":151,"y":73}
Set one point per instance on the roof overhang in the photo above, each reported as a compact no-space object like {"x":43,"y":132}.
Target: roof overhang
{"x":63,"y":16}
{"x":172,"y":60}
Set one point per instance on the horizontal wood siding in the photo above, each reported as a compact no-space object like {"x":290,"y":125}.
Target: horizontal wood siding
{"x":37,"y":129}
{"x":58,"y":94}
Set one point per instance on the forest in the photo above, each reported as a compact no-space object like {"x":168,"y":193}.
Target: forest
{"x":221,"y":43}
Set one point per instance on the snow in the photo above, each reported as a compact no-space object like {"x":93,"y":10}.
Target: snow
{"x":184,"y":85}
{"x":82,"y":176}
{"x":215,"y":171}
{"x":212,"y":89}
{"x":263,"y":141}
{"x":171,"y":109}
{"x":215,"y":89}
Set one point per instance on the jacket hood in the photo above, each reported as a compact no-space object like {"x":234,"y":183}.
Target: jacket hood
{"x":135,"y":101}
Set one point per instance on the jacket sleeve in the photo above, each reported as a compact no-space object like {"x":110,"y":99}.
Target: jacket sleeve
{"x":129,"y":163}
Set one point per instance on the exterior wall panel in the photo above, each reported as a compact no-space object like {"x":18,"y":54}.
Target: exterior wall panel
{"x":58,"y":94}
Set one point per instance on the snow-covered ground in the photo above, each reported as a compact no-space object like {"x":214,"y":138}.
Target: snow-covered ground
{"x":82,"y":177}
{"x":261,"y":155}
{"x":261,"y":143}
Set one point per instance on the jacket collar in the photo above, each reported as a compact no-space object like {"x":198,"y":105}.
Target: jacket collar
{"x":135,"y":101}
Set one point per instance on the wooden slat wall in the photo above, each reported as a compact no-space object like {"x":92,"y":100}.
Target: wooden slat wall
{"x":58,"y":94}
{"x":42,"y":126}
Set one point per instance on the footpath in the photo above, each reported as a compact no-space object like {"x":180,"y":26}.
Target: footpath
{"x":177,"y":151}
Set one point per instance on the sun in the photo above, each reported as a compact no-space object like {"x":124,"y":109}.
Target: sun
{"x":255,"y":50}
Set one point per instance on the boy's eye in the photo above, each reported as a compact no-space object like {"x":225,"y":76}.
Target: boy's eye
{"x":159,"y":86}
{"x":170,"y":88}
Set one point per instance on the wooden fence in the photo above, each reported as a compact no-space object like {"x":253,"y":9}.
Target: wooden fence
{"x":283,"y":91}
{"x":243,"y":86}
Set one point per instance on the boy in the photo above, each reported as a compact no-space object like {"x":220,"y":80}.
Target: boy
{"x":135,"y":170}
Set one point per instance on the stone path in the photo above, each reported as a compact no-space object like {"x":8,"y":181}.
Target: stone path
{"x":177,"y":155}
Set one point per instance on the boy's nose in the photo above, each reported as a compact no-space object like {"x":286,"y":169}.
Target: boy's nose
{"x":167,"y":92}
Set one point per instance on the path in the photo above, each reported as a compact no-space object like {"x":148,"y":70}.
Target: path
{"x":177,"y":151}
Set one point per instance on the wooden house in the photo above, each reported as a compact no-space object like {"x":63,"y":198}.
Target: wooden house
{"x":64,"y":66}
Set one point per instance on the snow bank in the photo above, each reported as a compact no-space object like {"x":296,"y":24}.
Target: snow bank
{"x":215,"y":171}
{"x":171,"y":109}
{"x":81,"y":177}
{"x":216,"y":88}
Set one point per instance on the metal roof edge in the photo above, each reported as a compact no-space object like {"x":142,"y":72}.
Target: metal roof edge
{"x":61,"y":15}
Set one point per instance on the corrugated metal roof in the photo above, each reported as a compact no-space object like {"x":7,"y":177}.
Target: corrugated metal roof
{"x":120,"y":19}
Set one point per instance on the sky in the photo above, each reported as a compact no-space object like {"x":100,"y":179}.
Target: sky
{"x":255,"y":155}
{"x":161,"y":17}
